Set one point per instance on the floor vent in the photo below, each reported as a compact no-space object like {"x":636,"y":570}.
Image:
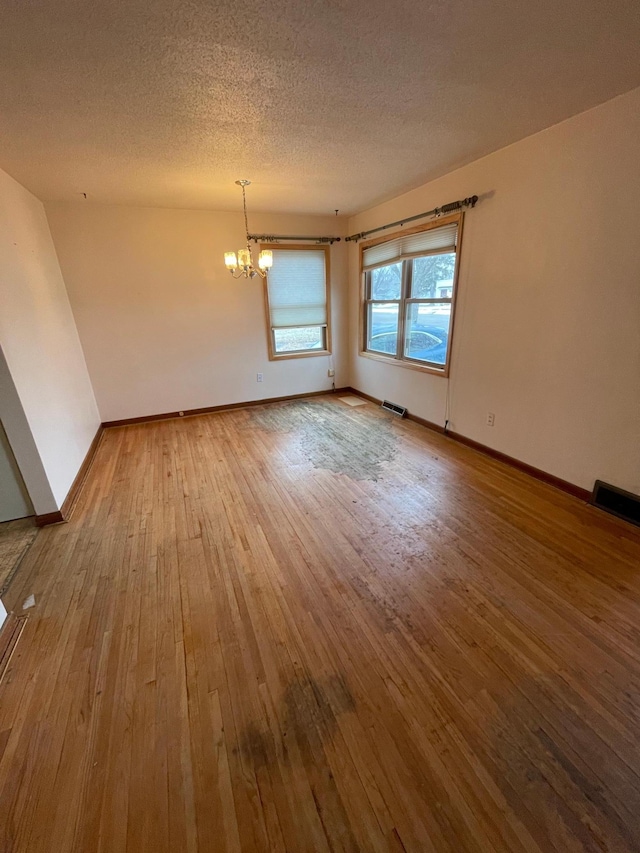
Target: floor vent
{"x":394,"y":409}
{"x":616,"y":501}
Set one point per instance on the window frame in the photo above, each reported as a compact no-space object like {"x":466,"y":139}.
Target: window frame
{"x":406,"y":300}
{"x":279,"y":356}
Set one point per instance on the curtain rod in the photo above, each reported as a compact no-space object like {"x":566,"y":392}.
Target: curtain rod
{"x":452,"y":207}
{"x":272,"y":238}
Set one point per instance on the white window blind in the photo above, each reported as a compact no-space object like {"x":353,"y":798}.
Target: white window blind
{"x":297,"y":288}
{"x":434,"y":241}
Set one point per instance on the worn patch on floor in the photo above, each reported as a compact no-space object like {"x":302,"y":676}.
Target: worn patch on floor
{"x":258,"y":746}
{"x":312,"y":706}
{"x":333,"y":439}
{"x":280,"y":417}
{"x":308,"y":712}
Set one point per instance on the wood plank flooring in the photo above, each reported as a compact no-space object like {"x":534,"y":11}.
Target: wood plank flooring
{"x":306,"y":627}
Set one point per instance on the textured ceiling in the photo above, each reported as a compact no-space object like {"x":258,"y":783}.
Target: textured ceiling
{"x":324,"y":104}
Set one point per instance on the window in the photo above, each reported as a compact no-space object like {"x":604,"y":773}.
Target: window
{"x":409,"y":295}
{"x":297,"y":297}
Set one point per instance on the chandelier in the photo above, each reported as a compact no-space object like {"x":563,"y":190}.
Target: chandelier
{"x":242,"y":265}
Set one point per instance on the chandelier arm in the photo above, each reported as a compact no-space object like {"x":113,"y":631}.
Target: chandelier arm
{"x":247,"y":273}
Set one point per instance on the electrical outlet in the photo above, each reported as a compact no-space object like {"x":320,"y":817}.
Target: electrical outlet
{"x":331,"y":372}
{"x":259,"y":377}
{"x":491,"y":419}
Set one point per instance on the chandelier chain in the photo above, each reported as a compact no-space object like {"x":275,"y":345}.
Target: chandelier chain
{"x":246,"y":221}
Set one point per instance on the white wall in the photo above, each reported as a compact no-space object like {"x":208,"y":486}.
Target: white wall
{"x":163,"y":325}
{"x":14,"y":498}
{"x":23,"y":445}
{"x":547,"y":330}
{"x":40,"y":342}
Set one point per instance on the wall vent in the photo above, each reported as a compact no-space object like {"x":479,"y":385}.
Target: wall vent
{"x":616,"y":501}
{"x":394,"y":408}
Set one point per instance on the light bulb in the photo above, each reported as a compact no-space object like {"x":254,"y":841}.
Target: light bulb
{"x":230,"y":260}
{"x":265,"y":261}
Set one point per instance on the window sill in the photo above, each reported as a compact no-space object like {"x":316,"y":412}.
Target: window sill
{"x":423,"y":368}
{"x":305,"y":354}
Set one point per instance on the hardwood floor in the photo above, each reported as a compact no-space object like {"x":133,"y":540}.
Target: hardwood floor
{"x":306,"y":627}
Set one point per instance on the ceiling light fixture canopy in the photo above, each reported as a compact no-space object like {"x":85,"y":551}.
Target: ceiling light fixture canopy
{"x":241,"y":265}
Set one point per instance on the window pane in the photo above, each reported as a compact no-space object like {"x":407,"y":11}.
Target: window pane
{"x":303,"y":338}
{"x":382,"y":328}
{"x":427,"y":331}
{"x":386,"y":282}
{"x":433,"y":277}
